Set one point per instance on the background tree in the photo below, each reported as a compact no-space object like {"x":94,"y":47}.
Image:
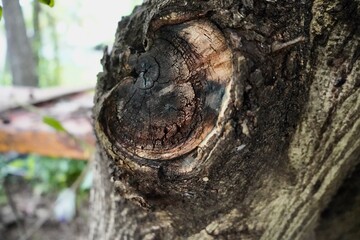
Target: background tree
{"x":20,"y":55}
{"x":229,"y":120}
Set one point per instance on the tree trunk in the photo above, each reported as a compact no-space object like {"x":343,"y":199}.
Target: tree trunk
{"x":229,"y":120}
{"x":36,"y":39}
{"x":22,"y":62}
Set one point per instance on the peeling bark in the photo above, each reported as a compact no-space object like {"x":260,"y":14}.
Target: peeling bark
{"x":260,"y":154}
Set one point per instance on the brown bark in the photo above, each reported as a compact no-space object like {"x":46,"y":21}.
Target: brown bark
{"x":256,"y":155}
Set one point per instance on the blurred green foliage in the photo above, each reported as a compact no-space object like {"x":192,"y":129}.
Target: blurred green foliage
{"x":63,"y":57}
{"x":54,"y":123}
{"x":44,"y":174}
{"x":50,"y":3}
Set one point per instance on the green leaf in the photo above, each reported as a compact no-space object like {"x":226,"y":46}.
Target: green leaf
{"x":0,"y":12}
{"x":50,"y":3}
{"x":55,"y":124}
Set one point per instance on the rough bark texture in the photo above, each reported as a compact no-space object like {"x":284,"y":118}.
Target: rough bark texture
{"x":20,"y":55}
{"x":277,"y":138}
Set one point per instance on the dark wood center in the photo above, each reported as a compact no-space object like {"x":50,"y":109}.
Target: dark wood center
{"x":172,"y":99}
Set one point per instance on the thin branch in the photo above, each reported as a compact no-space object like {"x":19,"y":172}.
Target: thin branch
{"x":276,"y":46}
{"x":21,"y":226}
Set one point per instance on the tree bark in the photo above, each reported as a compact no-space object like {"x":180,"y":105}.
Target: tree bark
{"x":229,"y":120}
{"x":22,"y":62}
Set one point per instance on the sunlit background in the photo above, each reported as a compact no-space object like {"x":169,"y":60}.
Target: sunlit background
{"x":46,"y":136}
{"x":72,"y":35}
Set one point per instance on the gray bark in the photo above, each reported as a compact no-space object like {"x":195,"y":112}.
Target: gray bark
{"x":22,"y":62}
{"x":36,"y":39}
{"x":285,"y":123}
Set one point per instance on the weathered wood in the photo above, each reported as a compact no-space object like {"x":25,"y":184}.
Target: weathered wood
{"x":22,"y":129}
{"x":285,"y":137}
{"x":17,"y":97}
{"x":46,"y":143}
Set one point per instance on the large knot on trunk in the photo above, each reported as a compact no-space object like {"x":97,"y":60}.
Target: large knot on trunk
{"x":172,"y":99}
